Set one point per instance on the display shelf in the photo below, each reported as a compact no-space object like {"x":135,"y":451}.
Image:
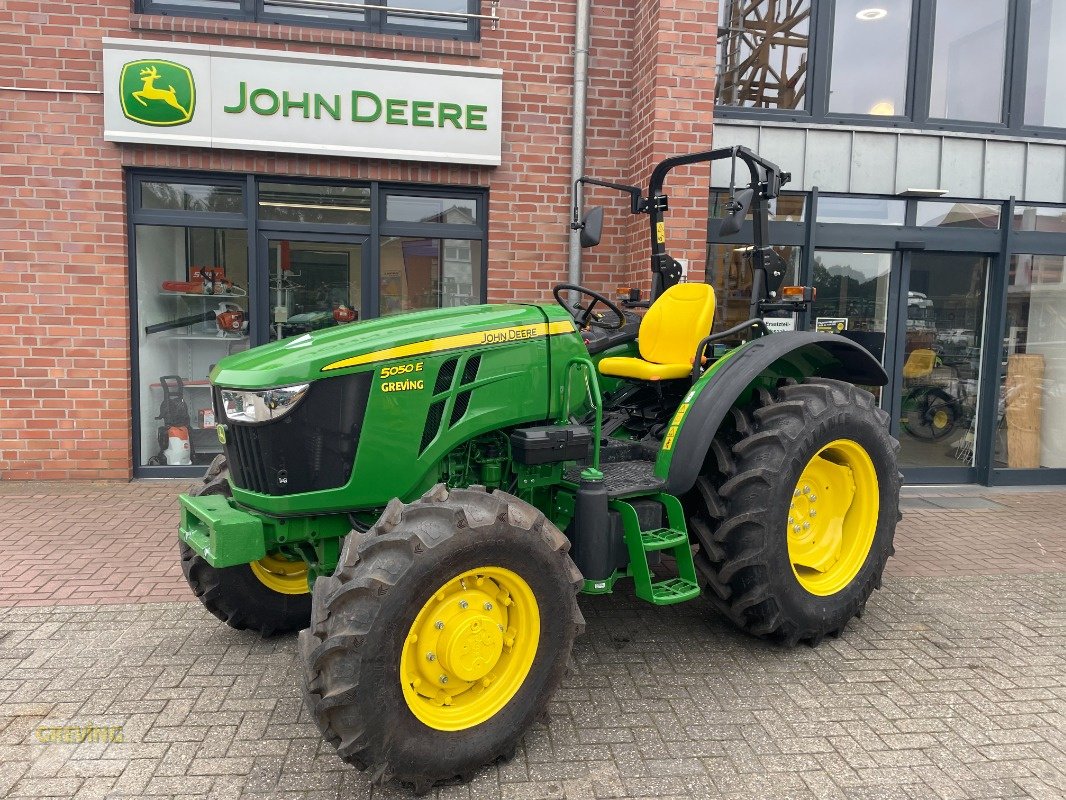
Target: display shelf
{"x":205,"y":337}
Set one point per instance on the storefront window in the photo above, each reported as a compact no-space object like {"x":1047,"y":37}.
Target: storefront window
{"x":942,"y":359}
{"x":1045,"y":76}
{"x":762,"y":53}
{"x":313,"y":285}
{"x":1031,"y":406}
{"x":421,"y":272}
{"x":429,"y":6}
{"x":950,"y":214}
{"x":336,"y":205}
{"x":1048,"y":219}
{"x":192,"y":309}
{"x":969,"y":45}
{"x":729,"y":272}
{"x":201,"y":197}
{"x":445,"y":210}
{"x":871,"y":51}
{"x":783,"y":208}
{"x":861,"y":210}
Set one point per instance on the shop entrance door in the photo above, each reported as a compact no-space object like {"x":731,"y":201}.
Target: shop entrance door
{"x":940,"y":322}
{"x":313,"y":282}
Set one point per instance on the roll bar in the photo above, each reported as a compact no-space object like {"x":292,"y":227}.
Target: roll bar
{"x":764,"y":178}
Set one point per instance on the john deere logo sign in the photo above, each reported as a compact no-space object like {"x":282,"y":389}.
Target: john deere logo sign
{"x":157,"y":93}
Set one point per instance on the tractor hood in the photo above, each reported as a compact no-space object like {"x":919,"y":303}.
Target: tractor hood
{"x":358,"y":346}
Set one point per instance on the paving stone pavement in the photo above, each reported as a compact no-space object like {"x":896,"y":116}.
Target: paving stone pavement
{"x":946,"y":688}
{"x":952,"y":685}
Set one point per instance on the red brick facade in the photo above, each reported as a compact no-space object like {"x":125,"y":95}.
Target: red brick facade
{"x":65,"y":378}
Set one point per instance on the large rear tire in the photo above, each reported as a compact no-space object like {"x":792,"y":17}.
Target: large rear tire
{"x":268,"y":597}
{"x":442,"y":636}
{"x":796,"y":510}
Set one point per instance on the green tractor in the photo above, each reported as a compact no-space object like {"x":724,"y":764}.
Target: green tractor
{"x":425,"y":495}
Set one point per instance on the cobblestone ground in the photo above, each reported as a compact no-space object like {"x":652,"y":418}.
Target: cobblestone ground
{"x":952,"y":685}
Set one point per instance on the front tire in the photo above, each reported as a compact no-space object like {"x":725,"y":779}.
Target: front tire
{"x":773,"y":565}
{"x":442,"y":636}
{"x":268,"y":597}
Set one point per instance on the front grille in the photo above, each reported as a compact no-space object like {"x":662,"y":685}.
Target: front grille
{"x":309,"y":449}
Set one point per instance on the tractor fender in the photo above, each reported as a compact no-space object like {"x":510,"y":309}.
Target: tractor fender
{"x":805,"y":353}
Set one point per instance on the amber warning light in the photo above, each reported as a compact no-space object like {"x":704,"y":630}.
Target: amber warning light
{"x":802,"y":294}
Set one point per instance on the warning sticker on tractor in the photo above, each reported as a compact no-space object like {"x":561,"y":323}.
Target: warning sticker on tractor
{"x":660,"y":232}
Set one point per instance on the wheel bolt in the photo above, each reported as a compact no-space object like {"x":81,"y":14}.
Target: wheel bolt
{"x":806,"y":489}
{"x":463,"y":604}
{"x":438,"y":625}
{"x":500,"y":627}
{"x":796,"y":493}
{"x":813,"y":497}
{"x":814,"y":513}
{"x":443,"y":678}
{"x":431,"y":656}
{"x":790,"y":520}
{"x":806,"y":526}
{"x":796,"y":528}
{"x":488,"y":606}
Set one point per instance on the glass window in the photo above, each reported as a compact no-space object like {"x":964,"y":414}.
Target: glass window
{"x":442,"y":23}
{"x":762,"y":53}
{"x":334,"y":10}
{"x":729,"y":272}
{"x":871,"y":51}
{"x":1051,"y":219}
{"x":861,"y":210}
{"x":853,"y":297}
{"x":292,"y":202}
{"x":192,"y":309}
{"x":447,"y":210}
{"x":202,"y":197}
{"x":352,"y":14}
{"x":1031,"y":412}
{"x":942,"y":359}
{"x":1045,"y":77}
{"x":934,"y":214}
{"x":969,"y":42}
{"x":419,"y":272}
{"x":313,"y":285}
{"x":783,"y":208}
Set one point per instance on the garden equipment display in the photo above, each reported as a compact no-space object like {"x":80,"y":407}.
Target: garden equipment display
{"x":175,"y":444}
{"x":425,"y":494}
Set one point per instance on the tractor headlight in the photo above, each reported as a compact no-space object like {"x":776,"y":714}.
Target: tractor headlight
{"x":263,"y":406}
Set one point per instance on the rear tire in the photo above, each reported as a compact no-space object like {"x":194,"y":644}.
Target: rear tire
{"x":234,"y":594}
{"x":739,"y":510}
{"x":367,"y":619}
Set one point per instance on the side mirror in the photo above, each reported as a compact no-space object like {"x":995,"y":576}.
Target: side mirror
{"x":592,"y":226}
{"x":740,"y":203}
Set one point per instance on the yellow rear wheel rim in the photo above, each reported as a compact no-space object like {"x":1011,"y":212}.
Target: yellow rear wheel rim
{"x":470,"y":648}
{"x":281,"y":574}
{"x":832,"y":517}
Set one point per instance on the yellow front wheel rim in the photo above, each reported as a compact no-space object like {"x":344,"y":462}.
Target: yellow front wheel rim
{"x":281,"y":574}
{"x":470,"y":648}
{"x":832,"y":517}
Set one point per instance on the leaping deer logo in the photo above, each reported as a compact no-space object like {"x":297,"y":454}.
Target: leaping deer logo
{"x":157,"y":92}
{"x":149,"y":75}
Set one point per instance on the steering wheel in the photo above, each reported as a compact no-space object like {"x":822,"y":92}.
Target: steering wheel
{"x":584,"y":314}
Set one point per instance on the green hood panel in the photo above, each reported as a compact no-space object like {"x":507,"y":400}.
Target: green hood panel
{"x":359,"y":345}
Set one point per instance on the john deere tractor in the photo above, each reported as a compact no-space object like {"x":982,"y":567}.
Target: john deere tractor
{"x":425,"y":495}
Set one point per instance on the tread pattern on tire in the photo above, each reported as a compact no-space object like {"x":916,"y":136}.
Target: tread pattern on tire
{"x":730,"y":514}
{"x":345,"y":606}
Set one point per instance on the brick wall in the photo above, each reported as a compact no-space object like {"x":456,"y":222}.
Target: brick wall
{"x":65,"y":393}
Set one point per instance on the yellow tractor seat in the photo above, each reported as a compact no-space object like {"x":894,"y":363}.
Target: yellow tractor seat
{"x":920,"y":363}
{"x":669,"y":333}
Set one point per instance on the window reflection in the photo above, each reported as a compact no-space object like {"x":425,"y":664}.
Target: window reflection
{"x":1031,"y":412}
{"x":969,"y":41}
{"x":419,"y":272}
{"x":729,"y":272}
{"x":871,"y":50}
{"x":1050,"y":219}
{"x":861,"y":210}
{"x":932,"y":214}
{"x":762,"y":53}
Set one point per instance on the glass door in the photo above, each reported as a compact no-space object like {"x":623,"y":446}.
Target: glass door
{"x":853,"y":297}
{"x":314,"y":282}
{"x":941,"y":317}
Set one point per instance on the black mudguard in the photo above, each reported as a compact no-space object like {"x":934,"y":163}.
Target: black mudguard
{"x":811,"y":354}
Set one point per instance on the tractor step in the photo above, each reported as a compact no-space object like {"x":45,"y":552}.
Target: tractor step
{"x":662,"y":539}
{"x":672,"y":539}
{"x":624,"y":478}
{"x":674,"y":590}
